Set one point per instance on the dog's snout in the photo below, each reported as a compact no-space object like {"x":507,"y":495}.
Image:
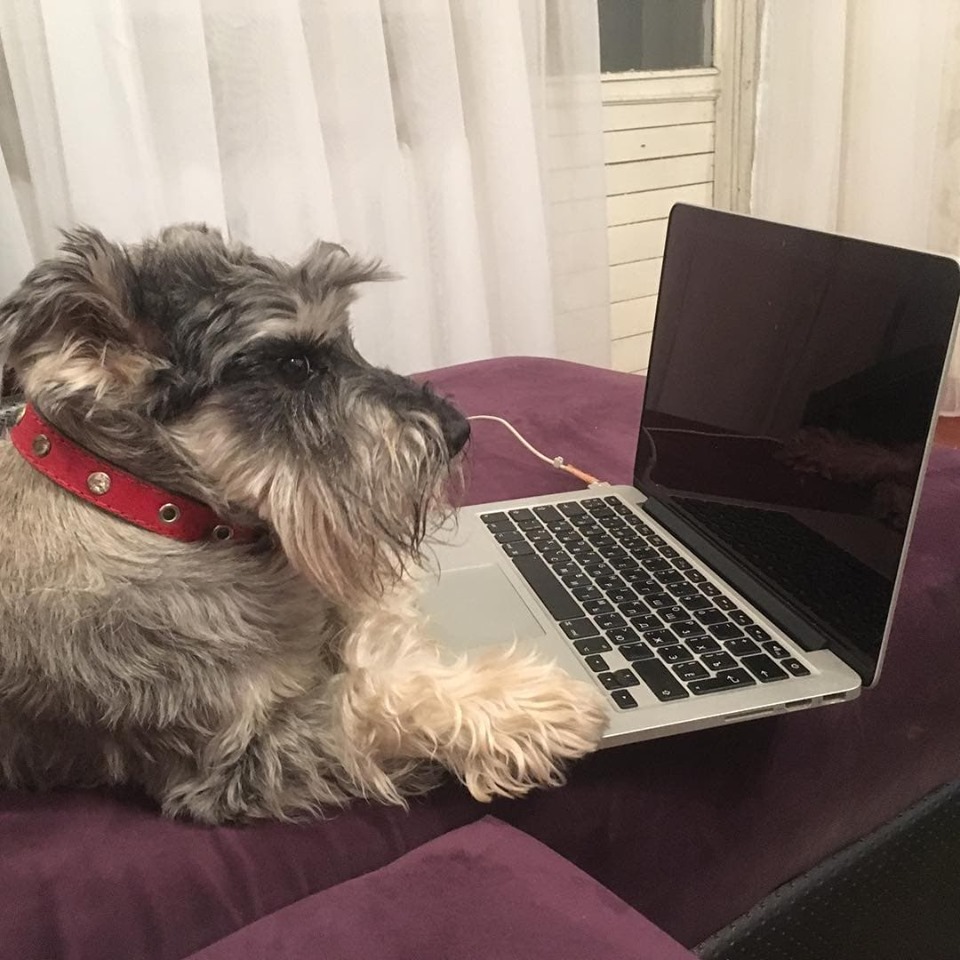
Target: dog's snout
{"x":456,"y":431}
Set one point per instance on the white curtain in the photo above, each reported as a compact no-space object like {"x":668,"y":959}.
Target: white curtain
{"x":858,"y":127}
{"x":458,"y":140}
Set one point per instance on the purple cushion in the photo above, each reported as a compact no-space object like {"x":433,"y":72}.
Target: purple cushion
{"x":483,"y":892}
{"x":691,"y":830}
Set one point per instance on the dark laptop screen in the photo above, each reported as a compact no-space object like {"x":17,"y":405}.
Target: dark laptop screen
{"x":792,"y":383}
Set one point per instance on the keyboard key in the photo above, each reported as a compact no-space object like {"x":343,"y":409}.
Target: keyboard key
{"x":718,"y":661}
{"x":610,"y":621}
{"x":547,"y":512}
{"x":741,"y":618}
{"x":591,"y":645}
{"x":610,"y":554}
{"x":570,"y":508}
{"x":593,"y":607}
{"x":662,"y":683}
{"x":596,"y":663}
{"x":725,"y":603}
{"x":597,"y":568}
{"x":508,"y":536}
{"x":669,"y":576}
{"x":644,"y":586}
{"x":489,"y":518}
{"x":624,"y":563}
{"x":587,"y":593}
{"x":518,"y":549}
{"x":545,"y":546}
{"x":565,"y":569}
{"x":642,"y":551}
{"x":521,"y":514}
{"x":660,"y":638}
{"x":703,"y":645}
{"x":540,"y":536}
{"x":619,"y":635}
{"x":794,"y":667}
{"x":581,"y":627}
{"x":695,"y":576}
{"x":610,"y":681}
{"x":726,"y":680}
{"x":569,"y":537}
{"x":576,"y":580}
{"x":669,"y":552}
{"x":685,"y":629}
{"x":633,"y":608}
{"x":621,"y":595}
{"x":757,"y":632}
{"x":551,"y":592}
{"x":610,"y":583}
{"x":501,"y":526}
{"x":582,"y":551}
{"x":696,"y":603}
{"x":709,"y":590}
{"x":776,"y":650}
{"x":532,"y":523}
{"x":626,"y":677}
{"x":672,"y":614}
{"x":690,"y":671}
{"x":654,"y":564}
{"x":638,"y":524}
{"x":682,"y":564}
{"x":710,"y":616}
{"x":592,"y":503}
{"x":676,"y":653}
{"x":657,"y":601}
{"x":725,"y":631}
{"x":647,"y":621}
{"x":656,"y":541}
{"x":624,"y":699}
{"x":763,"y":668}
{"x":602,"y":513}
{"x":742,"y":647}
{"x":558,"y":526}
{"x":637,"y":651}
{"x":684,"y":590}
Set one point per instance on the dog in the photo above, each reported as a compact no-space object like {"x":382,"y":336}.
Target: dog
{"x":233,"y":678}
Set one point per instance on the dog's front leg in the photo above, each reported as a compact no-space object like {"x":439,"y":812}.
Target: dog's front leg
{"x":502,"y":722}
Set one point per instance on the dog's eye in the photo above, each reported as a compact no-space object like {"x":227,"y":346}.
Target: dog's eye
{"x":295,"y":370}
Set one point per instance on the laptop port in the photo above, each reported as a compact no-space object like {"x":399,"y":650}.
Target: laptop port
{"x":797,"y":704}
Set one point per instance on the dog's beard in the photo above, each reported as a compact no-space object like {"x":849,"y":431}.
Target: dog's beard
{"x":355,"y":522}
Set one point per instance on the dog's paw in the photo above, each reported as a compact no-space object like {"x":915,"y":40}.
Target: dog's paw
{"x":525,"y":739}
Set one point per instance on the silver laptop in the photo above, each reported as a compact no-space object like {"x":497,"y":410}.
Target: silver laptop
{"x":753,"y":566}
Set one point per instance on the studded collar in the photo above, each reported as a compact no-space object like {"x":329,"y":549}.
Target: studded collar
{"x":116,"y":491}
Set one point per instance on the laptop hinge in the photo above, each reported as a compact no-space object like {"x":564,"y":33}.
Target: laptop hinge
{"x":808,"y":636}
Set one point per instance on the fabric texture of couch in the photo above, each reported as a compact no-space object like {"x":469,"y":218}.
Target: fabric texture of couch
{"x":690,"y":831}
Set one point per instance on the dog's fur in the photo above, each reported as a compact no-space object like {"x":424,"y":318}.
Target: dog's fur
{"x":234,"y":681}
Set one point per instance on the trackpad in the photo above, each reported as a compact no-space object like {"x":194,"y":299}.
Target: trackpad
{"x":475,"y":607}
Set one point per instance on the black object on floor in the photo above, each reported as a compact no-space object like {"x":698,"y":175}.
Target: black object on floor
{"x":894,"y":895}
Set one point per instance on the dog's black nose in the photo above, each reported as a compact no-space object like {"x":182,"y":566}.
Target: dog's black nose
{"x":456,"y":431}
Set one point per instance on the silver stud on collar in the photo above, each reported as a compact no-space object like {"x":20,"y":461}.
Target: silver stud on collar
{"x":21,"y":413}
{"x":222,"y":532}
{"x":98,"y":483}
{"x":169,"y":513}
{"x":41,"y":445}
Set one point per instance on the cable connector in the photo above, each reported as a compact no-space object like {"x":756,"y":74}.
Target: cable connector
{"x":558,"y":463}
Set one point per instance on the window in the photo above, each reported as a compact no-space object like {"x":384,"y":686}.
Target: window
{"x":655,"y":34}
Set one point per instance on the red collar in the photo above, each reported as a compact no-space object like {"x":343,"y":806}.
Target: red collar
{"x":116,"y":491}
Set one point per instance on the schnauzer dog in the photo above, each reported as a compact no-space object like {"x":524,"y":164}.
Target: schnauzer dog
{"x":275,"y":663}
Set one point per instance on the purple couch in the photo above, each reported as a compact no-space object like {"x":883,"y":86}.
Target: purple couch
{"x":690,"y":831}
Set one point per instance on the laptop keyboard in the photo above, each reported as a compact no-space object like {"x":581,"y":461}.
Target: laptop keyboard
{"x":632,"y":607}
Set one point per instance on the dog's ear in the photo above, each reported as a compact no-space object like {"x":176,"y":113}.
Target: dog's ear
{"x":72,"y":326}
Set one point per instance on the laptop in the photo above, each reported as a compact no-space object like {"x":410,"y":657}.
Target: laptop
{"x":753,"y":566}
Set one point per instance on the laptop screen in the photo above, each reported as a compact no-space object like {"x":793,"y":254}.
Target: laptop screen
{"x":792,"y":384}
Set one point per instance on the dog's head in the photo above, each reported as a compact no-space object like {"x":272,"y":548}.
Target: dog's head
{"x":198,"y":364}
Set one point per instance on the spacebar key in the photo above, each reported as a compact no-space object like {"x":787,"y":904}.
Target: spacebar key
{"x":552,"y":593}
{"x":662,"y":683}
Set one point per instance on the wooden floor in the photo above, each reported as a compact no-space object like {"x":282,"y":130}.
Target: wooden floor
{"x":948,"y":432}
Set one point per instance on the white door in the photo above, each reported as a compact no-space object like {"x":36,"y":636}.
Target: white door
{"x":678,"y":92}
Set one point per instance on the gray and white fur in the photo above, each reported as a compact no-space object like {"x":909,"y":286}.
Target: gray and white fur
{"x":238,"y":681}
